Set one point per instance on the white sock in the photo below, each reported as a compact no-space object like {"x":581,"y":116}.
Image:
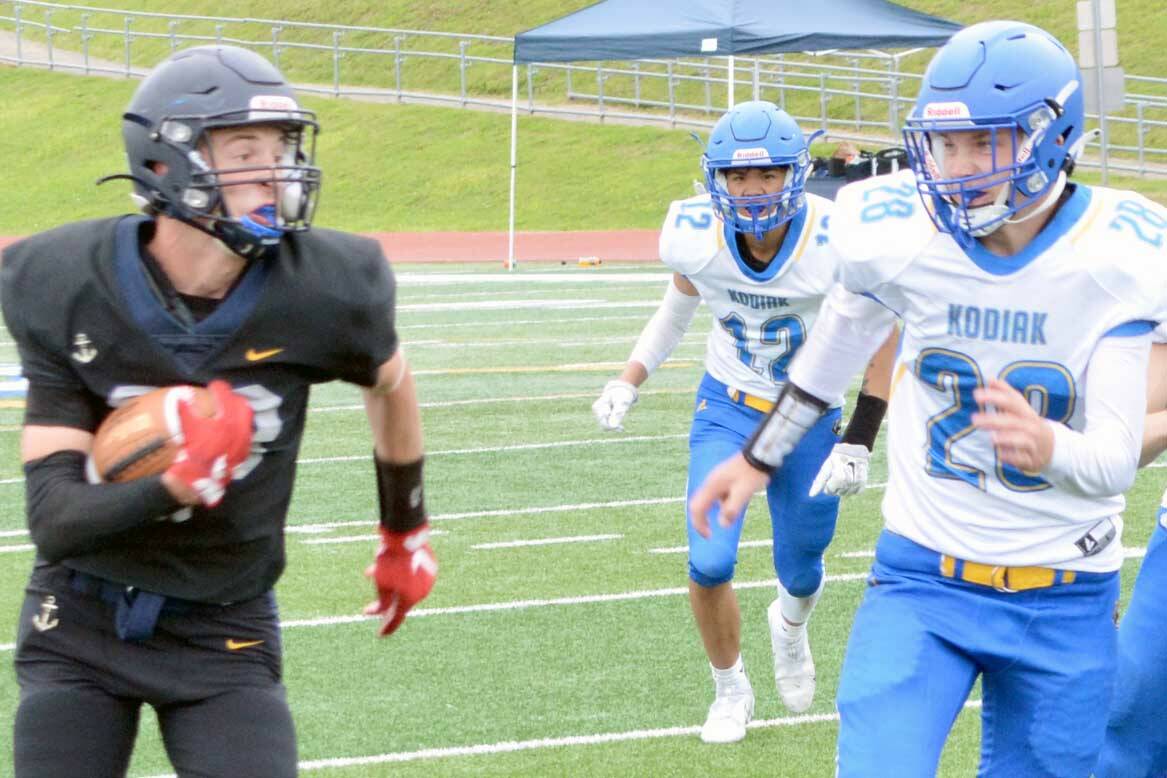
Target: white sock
{"x":733,"y":675}
{"x":796,"y":610}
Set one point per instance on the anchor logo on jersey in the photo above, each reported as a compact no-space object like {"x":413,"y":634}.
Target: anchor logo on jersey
{"x":45,"y":620}
{"x":83,"y":349}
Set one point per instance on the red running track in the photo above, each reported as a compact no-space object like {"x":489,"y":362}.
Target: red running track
{"x":607,"y":245}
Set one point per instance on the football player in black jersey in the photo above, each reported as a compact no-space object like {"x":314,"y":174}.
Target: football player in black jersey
{"x":159,"y":590}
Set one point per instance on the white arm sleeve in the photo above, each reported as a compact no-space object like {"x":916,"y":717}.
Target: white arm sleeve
{"x":665,"y":329}
{"x":849,"y":330}
{"x":1102,"y":459}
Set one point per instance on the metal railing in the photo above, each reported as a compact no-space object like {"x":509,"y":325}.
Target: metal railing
{"x":861,"y":95}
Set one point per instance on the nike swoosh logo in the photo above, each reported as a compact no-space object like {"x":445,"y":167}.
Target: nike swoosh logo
{"x":235,"y":645}
{"x":254,"y":356}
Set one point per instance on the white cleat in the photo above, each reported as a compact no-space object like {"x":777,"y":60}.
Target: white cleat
{"x":793,"y":664}
{"x":731,"y":710}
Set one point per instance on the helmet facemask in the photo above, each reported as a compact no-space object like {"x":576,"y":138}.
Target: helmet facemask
{"x":192,"y":182}
{"x":757,"y":214}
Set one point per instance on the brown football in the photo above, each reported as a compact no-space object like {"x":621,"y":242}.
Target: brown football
{"x":140,"y":438}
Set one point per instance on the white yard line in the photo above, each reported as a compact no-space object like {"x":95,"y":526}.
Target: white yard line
{"x":495,"y":449}
{"x":551,"y":277}
{"x":685,"y":549}
{"x":583,"y":506}
{"x":694,"y":338}
{"x":570,"y":367}
{"x":370,"y":537}
{"x":514,"y":322}
{"x":586,"y":599}
{"x":575,"y":304}
{"x":513,"y":746}
{"x":545,"y":541}
{"x":532,"y":294}
{"x":494,"y":400}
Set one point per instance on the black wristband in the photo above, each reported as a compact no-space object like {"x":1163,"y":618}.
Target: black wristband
{"x":863,"y":426}
{"x":400,"y":493}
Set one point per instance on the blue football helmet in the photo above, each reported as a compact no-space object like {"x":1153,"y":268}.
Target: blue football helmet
{"x":1000,"y":77}
{"x":756,"y":134}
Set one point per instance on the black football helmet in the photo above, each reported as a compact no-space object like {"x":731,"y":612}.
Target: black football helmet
{"x":165,"y":126}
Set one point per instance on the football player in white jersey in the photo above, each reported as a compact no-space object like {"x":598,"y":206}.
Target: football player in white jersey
{"x":1014,"y":423}
{"x":754,"y":248}
{"x":1136,"y":741}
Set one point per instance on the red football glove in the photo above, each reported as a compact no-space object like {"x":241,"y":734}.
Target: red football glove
{"x":404,"y":572}
{"x":212,"y":446}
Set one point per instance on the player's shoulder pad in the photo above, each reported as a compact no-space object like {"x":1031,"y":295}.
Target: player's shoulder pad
{"x":1122,"y":238}
{"x":879,"y":225}
{"x":691,"y":235}
{"x":59,"y":250}
{"x":53,"y":266}
{"x":344,"y":263}
{"x":819,"y":213}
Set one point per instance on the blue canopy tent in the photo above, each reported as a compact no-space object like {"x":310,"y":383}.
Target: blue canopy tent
{"x":640,"y":29}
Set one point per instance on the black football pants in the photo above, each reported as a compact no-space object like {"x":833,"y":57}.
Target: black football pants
{"x":212,"y":674}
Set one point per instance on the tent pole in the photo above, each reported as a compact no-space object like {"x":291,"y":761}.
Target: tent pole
{"x":729,"y":83}
{"x":510,"y":261}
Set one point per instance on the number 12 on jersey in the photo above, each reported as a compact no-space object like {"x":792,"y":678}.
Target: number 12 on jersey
{"x":779,"y":337}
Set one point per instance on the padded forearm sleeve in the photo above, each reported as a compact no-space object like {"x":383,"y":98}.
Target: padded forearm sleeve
{"x":665,"y":329}
{"x":794,"y":413}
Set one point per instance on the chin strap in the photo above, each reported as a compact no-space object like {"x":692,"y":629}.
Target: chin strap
{"x":1047,"y":202}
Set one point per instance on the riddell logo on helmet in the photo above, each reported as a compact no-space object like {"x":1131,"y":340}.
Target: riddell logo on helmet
{"x":755,"y":153}
{"x":273,"y":104}
{"x":954,"y":110}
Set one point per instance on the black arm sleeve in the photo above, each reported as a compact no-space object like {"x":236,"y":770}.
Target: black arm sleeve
{"x":69,"y":517}
{"x":863,"y":426}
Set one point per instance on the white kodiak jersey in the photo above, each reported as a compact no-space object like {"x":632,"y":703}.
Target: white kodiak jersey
{"x":1033,"y":321}
{"x":760,"y":318}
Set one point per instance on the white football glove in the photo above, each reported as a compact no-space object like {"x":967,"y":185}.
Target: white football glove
{"x":613,"y":403}
{"x":844,"y":472}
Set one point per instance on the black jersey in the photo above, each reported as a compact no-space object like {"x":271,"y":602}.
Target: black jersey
{"x":89,"y":326}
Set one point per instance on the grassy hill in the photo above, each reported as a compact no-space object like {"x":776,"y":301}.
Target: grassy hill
{"x":391,"y":167}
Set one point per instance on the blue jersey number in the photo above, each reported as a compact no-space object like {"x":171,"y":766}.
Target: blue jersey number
{"x":699,"y":222}
{"x":897,"y":202}
{"x":1147,"y":224}
{"x":1047,"y":385}
{"x":786,"y":332}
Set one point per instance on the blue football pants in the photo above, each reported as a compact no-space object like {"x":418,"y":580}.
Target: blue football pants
{"x":919,"y":641}
{"x":802,"y":525}
{"x":1136,"y":737}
